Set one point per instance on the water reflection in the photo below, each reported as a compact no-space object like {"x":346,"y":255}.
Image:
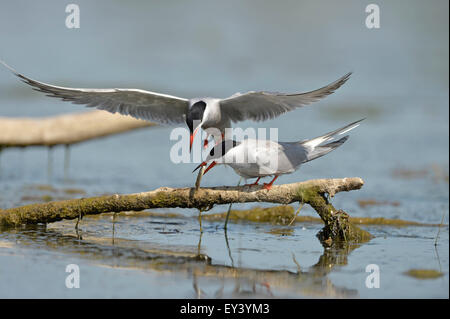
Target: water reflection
{"x":209,"y":279}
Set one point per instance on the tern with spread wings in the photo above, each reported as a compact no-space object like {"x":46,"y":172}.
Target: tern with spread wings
{"x":210,"y":114}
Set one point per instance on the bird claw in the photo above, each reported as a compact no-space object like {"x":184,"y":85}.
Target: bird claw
{"x":269,"y":186}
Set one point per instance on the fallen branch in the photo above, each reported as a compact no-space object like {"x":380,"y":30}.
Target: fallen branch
{"x":64,"y":129}
{"x":313,"y":192}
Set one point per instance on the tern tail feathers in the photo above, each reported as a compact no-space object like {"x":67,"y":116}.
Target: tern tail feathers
{"x":319,"y":151}
{"x":330,"y":136}
{"x":316,"y":148}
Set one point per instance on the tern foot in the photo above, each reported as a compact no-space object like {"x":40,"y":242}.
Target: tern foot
{"x":269,"y":186}
{"x":205,"y":143}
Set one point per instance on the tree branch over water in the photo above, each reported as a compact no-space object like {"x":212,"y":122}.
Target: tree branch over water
{"x":312,"y":192}
{"x":64,"y":129}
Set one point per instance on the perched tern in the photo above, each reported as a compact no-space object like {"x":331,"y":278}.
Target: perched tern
{"x":210,"y":114}
{"x":260,"y":158}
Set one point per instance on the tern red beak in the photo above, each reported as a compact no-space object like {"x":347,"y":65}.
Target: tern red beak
{"x":203,"y":164}
{"x":210,"y":166}
{"x":192,"y":140}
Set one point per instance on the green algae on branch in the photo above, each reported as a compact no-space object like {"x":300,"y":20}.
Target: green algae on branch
{"x":337,"y":225}
{"x":313,"y":192}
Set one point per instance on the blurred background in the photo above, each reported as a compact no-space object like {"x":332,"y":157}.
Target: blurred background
{"x":205,"y":48}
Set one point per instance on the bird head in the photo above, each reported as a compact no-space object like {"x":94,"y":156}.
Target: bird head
{"x":216,"y":155}
{"x":194,"y":119}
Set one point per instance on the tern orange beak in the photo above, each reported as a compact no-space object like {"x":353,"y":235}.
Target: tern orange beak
{"x":192,"y":139}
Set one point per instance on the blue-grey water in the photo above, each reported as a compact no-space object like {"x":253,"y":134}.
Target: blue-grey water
{"x":203,"y":48}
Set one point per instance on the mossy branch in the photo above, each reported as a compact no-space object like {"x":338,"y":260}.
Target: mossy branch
{"x":312,"y":192}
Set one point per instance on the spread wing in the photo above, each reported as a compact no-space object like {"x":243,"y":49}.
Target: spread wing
{"x":145,"y":105}
{"x":261,"y":106}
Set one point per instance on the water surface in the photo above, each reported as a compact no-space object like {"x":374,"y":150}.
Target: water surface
{"x":400,"y":83}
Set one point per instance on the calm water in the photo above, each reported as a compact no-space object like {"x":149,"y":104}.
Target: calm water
{"x":400,"y":83}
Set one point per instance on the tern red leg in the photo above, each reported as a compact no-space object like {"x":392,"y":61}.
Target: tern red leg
{"x":253,"y":184}
{"x":268,"y":186}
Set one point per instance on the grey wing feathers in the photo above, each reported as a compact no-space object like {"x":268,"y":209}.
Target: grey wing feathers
{"x":161,"y":108}
{"x":260,"y":106}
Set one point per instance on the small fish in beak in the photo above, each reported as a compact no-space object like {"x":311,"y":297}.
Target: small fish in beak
{"x":201,"y":165}
{"x":213,"y":163}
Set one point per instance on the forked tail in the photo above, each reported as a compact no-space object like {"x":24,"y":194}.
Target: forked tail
{"x":316,"y":148}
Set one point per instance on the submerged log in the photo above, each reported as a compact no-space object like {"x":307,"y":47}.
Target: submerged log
{"x":64,"y":129}
{"x":313,"y":192}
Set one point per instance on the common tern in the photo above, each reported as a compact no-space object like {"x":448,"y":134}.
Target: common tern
{"x":253,"y":158}
{"x":213,"y":115}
